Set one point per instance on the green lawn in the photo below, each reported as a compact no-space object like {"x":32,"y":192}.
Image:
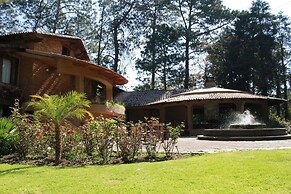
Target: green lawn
{"x":231,"y":172}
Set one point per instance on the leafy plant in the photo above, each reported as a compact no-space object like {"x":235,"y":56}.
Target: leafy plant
{"x":115,"y":103}
{"x":57,"y":109}
{"x":97,"y":92}
{"x":105,"y":129}
{"x":88,"y":136}
{"x":171,"y":135}
{"x":23,"y":131}
{"x":277,"y":121}
{"x":153,"y":131}
{"x":7,"y":139}
{"x":72,"y":149}
{"x":129,"y":140}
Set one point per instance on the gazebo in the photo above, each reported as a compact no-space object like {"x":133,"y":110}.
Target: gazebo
{"x":198,"y":109}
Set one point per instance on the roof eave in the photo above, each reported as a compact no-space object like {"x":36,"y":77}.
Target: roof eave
{"x":117,"y":78}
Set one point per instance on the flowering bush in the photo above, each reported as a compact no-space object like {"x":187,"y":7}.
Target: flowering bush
{"x":171,"y":137}
{"x":88,"y":136}
{"x":72,"y":149}
{"x":129,"y":140}
{"x":153,"y":134}
{"x":100,"y":137}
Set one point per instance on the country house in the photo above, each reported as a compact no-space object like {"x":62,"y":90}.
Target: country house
{"x":38,"y":63}
{"x":199,"y":109}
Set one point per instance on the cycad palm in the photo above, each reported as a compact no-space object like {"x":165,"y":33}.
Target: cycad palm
{"x":57,"y":109}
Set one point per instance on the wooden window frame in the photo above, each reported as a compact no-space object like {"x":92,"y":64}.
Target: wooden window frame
{"x":13,"y":71}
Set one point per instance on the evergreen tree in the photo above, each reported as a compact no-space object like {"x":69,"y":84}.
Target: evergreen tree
{"x":154,"y":14}
{"x":9,"y":20}
{"x":167,"y":65}
{"x":116,"y":30}
{"x":248,"y":61}
{"x":283,"y":56}
{"x":197,"y":19}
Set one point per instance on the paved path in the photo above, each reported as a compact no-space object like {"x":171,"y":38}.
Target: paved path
{"x":193,"y":145}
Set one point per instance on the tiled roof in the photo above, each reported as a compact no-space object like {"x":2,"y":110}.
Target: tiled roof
{"x":5,"y":44}
{"x":215,"y":93}
{"x":114,"y":77}
{"x":35,"y":34}
{"x":159,"y":97}
{"x":38,"y":36}
{"x":142,"y":98}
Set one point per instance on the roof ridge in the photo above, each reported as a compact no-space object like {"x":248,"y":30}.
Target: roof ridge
{"x":44,"y":33}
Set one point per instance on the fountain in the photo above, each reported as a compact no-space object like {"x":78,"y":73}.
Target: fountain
{"x":244,"y":127}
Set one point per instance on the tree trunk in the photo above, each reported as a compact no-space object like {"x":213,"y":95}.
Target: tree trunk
{"x":286,"y":110}
{"x":116,"y":25}
{"x":116,"y":47}
{"x":100,"y":37}
{"x":187,"y":44}
{"x":153,"y":78}
{"x":153,"y":51}
{"x":58,"y":144}
{"x":165,"y":75}
{"x":278,"y":95}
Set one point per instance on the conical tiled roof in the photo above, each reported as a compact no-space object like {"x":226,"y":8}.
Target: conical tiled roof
{"x":216,"y":93}
{"x":154,"y":97}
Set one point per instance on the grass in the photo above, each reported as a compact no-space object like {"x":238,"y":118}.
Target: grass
{"x":229,"y":172}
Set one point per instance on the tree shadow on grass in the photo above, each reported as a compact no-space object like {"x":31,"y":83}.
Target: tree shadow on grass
{"x":15,"y":170}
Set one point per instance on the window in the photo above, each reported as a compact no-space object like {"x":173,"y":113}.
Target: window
{"x":99,"y":90}
{"x":65,"y":51}
{"x":8,"y":70}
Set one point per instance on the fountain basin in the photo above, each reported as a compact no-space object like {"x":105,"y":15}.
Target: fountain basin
{"x":247,"y":126}
{"x":245,"y":134}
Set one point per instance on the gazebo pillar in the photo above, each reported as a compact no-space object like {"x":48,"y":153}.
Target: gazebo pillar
{"x":190,"y":118}
{"x":240,"y":106}
{"x":162,"y":114}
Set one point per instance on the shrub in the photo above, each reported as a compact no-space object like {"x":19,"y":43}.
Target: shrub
{"x":46,"y":139}
{"x":129,"y":140}
{"x":7,"y":139}
{"x":153,"y":132}
{"x":23,"y":131}
{"x":105,"y":129}
{"x":57,"y":109}
{"x":277,"y":121}
{"x":39,"y":139}
{"x":72,"y":149}
{"x":171,"y":136}
{"x":88,"y":136}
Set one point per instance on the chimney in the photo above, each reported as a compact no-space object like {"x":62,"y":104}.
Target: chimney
{"x":209,"y":82}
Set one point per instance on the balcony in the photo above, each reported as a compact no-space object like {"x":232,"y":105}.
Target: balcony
{"x":107,"y":110}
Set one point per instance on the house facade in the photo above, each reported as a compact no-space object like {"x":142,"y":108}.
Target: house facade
{"x":199,"y":109}
{"x":39,"y":63}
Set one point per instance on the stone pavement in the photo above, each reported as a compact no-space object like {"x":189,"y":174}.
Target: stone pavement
{"x":193,"y":145}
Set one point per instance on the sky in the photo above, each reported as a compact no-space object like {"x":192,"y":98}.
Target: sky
{"x":275,"y":5}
